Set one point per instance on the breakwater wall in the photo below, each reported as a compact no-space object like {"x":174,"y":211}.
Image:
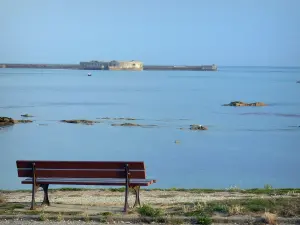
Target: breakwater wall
{"x":80,"y":67}
{"x":40,"y":66}
{"x":188,"y":68}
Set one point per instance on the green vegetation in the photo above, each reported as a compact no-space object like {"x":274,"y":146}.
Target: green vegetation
{"x":86,"y":217}
{"x":9,"y":207}
{"x":107,"y":214}
{"x":268,"y":189}
{"x":149,"y":211}
{"x":26,"y":115}
{"x":43,"y":216}
{"x":122,"y":189}
{"x":60,"y":217}
{"x":285,"y":207}
{"x":220,"y":208}
{"x":173,"y":220}
{"x":204,"y":219}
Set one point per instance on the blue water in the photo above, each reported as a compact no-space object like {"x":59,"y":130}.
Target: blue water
{"x":247,"y":147}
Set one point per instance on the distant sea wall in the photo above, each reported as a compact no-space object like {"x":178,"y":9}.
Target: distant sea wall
{"x":40,"y":66}
{"x":80,"y":67}
{"x":191,"y":68}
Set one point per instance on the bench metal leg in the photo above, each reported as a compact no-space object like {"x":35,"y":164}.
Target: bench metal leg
{"x":34,"y":190}
{"x":126,"y":206}
{"x":137,"y":196}
{"x":46,"y":198}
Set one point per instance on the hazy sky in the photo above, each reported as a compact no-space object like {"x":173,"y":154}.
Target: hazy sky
{"x":224,"y":32}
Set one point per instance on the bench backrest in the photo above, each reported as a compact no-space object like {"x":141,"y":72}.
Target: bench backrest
{"x":81,"y":169}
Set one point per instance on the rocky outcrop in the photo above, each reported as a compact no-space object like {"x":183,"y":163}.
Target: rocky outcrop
{"x":86,"y":122}
{"x":26,"y":115}
{"x":133,"y":125}
{"x":23,"y":121}
{"x":127,"y":124}
{"x":238,"y":103}
{"x":7,"y":121}
{"x":116,"y":118}
{"x":197,"y":127}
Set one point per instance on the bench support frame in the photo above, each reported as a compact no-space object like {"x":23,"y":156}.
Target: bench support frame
{"x":45,"y":187}
{"x":136,"y":190}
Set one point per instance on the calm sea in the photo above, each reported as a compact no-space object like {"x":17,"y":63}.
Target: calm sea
{"x":247,"y":146}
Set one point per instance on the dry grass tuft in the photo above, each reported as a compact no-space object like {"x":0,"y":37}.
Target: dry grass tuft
{"x":270,"y":218}
{"x":2,"y":199}
{"x":236,"y":210}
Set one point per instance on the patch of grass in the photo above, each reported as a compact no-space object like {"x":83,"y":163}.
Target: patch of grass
{"x":60,"y":217}
{"x":147,"y":210}
{"x":107,"y":214}
{"x":2,"y":199}
{"x":196,"y":209}
{"x":204,"y":219}
{"x":31,"y":212}
{"x":197,"y":190}
{"x":71,"y":189}
{"x":103,"y":219}
{"x":221,"y":208}
{"x":286,"y":207}
{"x":172,"y":220}
{"x":234,"y":188}
{"x":74,"y":195}
{"x":122,"y":189}
{"x":43,"y":216}
{"x":235,"y":210}
{"x":282,"y":191}
{"x":268,"y":187}
{"x":259,"y":205}
{"x":165,"y":196}
{"x":11,"y":191}
{"x":11,"y":206}
{"x":86,"y":217}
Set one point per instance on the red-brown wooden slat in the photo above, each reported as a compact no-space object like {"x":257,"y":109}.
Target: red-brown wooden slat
{"x":80,"y":164}
{"x":82,"y":173}
{"x":141,"y":182}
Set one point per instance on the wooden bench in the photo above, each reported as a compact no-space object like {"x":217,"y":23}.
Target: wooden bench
{"x":43,"y":173}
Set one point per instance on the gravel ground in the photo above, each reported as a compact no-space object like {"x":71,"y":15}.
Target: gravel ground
{"x":108,"y":198}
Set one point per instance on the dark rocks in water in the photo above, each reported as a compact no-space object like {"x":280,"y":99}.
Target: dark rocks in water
{"x":26,"y":115}
{"x":298,"y":82}
{"x":197,"y":127}
{"x":6,"y":121}
{"x":127,"y":124}
{"x":239,"y":103}
{"x":120,"y":118}
{"x":23,"y":121}
{"x":132,"y":125}
{"x":86,"y":122}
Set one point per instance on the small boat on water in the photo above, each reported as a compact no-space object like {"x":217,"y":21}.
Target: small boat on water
{"x":89,"y":74}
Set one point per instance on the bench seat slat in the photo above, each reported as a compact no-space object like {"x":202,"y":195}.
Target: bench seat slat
{"x":95,"y":181}
{"x":82,"y":173}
